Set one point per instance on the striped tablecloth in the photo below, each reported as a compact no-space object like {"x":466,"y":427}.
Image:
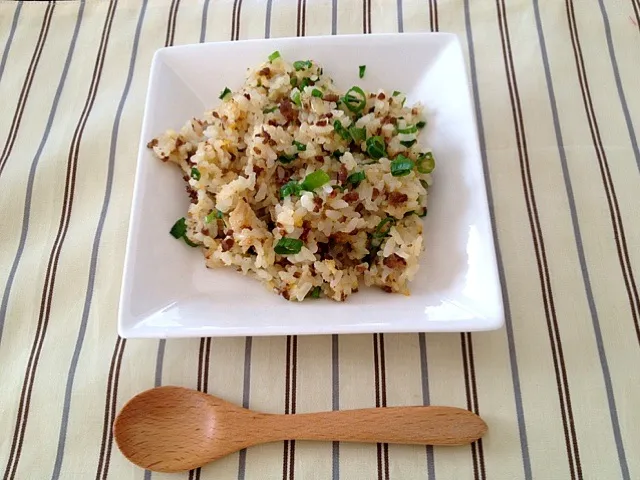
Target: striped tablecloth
{"x":556,"y":95}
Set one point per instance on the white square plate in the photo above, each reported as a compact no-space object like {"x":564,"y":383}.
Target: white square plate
{"x":168,"y":292}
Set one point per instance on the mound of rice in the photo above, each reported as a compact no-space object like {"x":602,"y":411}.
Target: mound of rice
{"x":308,"y":189}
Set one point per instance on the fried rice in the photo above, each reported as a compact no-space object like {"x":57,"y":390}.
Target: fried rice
{"x":310,"y":190}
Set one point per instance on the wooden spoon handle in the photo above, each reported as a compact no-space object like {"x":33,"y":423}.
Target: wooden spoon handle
{"x":413,"y":425}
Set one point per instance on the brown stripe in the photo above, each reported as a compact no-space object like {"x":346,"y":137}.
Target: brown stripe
{"x":47,"y":293}
{"x":612,"y":199}
{"x":636,"y":10}
{"x":117,"y":354}
{"x":470,"y":404}
{"x":171,"y":23}
{"x":235,"y":19}
{"x":294,"y":376}
{"x":26,"y":86}
{"x":364,"y":16}
{"x":378,"y":395}
{"x":112,"y":416}
{"x":304,"y":17}
{"x":573,"y":455}
{"x":287,"y":410}
{"x":383,"y":400}
{"x":299,"y":19}
{"x":471,"y":389}
{"x":195,"y":473}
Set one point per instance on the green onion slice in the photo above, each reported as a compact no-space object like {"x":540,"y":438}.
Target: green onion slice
{"x":421,"y":124}
{"x":195,"y":173}
{"x":316,"y":93}
{"x":270,"y":109}
{"x":384,"y":227}
{"x":358,"y":134}
{"x":315,"y":292}
{"x":315,"y":180}
{"x":401,"y":166}
{"x":293,"y":81}
{"x":408,"y":129}
{"x":274,"y":55}
{"x":356,"y":178}
{"x":288,"y":246}
{"x":409,"y":143}
{"x":300,"y":146}
{"x":290,"y":188}
{"x":295,"y":98}
{"x":424,"y":213}
{"x":355,"y":99}
{"x":302,"y":65}
{"x":224,"y":93}
{"x":340,"y":130}
{"x":179,"y":230}
{"x":286,"y":158}
{"x":213,"y":215}
{"x":361,"y":70}
{"x":426,"y":163}
{"x":396,"y":93}
{"x":376,"y":147}
{"x":305,"y":82}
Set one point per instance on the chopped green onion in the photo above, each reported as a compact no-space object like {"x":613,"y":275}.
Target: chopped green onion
{"x":300,"y":146}
{"x":382,"y":231}
{"x":302,"y":65}
{"x":305,"y":82}
{"x":270,"y":109}
{"x":396,"y":93}
{"x":421,"y":124}
{"x":286,"y":158}
{"x":189,"y":242}
{"x":426,"y":163}
{"x":358,"y":134}
{"x":274,"y":55}
{"x":356,"y":178}
{"x":179,"y":228}
{"x":224,"y":93}
{"x":384,"y":227}
{"x":293,"y":81}
{"x":361,"y":69}
{"x":315,"y":293}
{"x":401,"y":166}
{"x":295,"y":98}
{"x":288,"y":246}
{"x":409,"y":143}
{"x":195,"y":173}
{"x":340,"y":130}
{"x":212,"y":215}
{"x":408,"y":129}
{"x":424,"y":184}
{"x":355,"y":99}
{"x":424,"y":214}
{"x":316,"y":93}
{"x":315,"y":180}
{"x":410,"y":212}
{"x":376,"y":147}
{"x":290,"y":188}
{"x":337,"y":154}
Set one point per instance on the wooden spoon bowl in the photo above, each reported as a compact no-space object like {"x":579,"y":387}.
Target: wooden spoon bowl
{"x":172,"y":429}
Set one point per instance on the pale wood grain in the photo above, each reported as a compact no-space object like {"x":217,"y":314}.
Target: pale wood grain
{"x":171,"y":429}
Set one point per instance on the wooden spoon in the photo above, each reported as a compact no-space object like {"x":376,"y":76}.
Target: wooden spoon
{"x":172,"y":429}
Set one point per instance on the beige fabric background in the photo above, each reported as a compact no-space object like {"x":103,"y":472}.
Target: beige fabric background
{"x":558,"y":105}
